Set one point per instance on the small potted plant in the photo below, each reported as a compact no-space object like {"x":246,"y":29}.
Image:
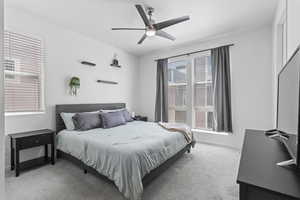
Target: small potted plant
{"x":74,"y":85}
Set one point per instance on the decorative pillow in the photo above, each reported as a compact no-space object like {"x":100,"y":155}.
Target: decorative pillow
{"x":86,"y":121}
{"x":67,"y":118}
{"x":112,"y":119}
{"x":127,"y":116}
{"x":68,"y":121}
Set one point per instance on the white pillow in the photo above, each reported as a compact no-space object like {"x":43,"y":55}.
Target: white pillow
{"x":67,"y":118}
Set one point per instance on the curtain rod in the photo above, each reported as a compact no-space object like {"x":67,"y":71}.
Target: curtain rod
{"x":193,"y":52}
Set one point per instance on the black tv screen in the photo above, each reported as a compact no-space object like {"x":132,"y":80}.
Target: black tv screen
{"x":288,"y":104}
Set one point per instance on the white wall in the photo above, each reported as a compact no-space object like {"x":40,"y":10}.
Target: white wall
{"x":280,"y":13}
{"x":1,"y":105}
{"x":64,"y":49}
{"x":291,"y":9}
{"x":277,"y":50}
{"x":293,"y":32}
{"x":252,"y":82}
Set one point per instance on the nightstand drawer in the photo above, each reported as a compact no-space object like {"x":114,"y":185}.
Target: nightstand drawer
{"x":33,"y":141}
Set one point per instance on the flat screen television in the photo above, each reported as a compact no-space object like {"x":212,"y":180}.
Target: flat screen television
{"x":288,"y":105}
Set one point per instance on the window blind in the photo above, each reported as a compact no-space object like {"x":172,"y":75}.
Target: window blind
{"x":22,"y":68}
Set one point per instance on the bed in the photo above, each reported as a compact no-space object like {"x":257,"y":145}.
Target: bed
{"x":130,"y":155}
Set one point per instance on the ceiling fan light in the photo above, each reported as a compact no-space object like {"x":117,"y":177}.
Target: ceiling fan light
{"x":150,"y":33}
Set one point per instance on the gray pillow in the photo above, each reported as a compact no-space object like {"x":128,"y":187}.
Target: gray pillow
{"x":86,"y":121}
{"x":112,"y":119}
{"x":127,"y":116}
{"x":68,"y":121}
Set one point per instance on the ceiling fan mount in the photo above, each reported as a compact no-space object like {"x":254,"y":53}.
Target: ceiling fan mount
{"x":152,"y":28}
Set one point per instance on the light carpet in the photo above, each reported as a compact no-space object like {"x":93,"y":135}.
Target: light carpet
{"x":208,"y":173}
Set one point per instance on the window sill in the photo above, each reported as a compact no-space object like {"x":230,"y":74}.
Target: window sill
{"x":209,"y":132}
{"x":23,"y":113}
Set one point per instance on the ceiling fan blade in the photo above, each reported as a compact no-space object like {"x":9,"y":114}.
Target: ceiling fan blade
{"x":143,"y":14}
{"x":165,"y":35}
{"x":136,"y":29}
{"x":170,"y":22}
{"x":142,"y":39}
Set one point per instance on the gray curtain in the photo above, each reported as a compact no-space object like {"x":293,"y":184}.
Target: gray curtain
{"x":221,"y":89}
{"x":161,"y":105}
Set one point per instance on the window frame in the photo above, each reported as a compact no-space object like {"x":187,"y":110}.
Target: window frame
{"x":41,"y":75}
{"x":190,"y":103}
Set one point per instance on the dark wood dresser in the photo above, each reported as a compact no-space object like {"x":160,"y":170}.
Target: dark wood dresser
{"x":26,"y":140}
{"x":259,"y":177}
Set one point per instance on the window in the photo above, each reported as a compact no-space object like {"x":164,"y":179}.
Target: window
{"x":22,"y":69}
{"x":190,"y":91}
{"x":177,"y":91}
{"x":203,"y":103}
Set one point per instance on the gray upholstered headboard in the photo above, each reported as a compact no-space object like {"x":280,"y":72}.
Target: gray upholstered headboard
{"x":75,"y":108}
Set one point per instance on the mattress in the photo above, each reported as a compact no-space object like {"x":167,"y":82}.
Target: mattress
{"x":124,"y":154}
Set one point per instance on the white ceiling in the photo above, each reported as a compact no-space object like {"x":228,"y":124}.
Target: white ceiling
{"x":95,"y":18}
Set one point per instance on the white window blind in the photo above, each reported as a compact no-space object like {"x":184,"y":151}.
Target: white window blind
{"x":23,"y":58}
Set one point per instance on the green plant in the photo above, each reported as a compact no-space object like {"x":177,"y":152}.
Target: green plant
{"x":74,"y":85}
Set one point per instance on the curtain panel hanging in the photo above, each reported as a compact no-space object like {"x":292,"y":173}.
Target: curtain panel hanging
{"x":161,"y":105}
{"x":221,"y":89}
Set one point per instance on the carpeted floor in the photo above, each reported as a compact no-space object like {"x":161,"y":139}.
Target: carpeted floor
{"x":208,"y":173}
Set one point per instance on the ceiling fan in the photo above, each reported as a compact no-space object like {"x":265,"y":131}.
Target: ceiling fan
{"x":152,"y":28}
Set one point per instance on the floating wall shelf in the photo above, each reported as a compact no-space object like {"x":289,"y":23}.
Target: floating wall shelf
{"x":114,"y":65}
{"x":107,"y":82}
{"x":88,"y":63}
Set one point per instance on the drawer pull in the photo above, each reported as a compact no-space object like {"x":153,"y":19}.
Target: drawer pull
{"x":37,"y":141}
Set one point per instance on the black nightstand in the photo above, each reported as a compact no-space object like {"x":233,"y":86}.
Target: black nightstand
{"x":26,"y":140}
{"x":141,"y":118}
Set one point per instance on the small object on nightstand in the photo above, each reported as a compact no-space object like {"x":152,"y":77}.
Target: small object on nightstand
{"x":26,"y":140}
{"x":140,"y":118}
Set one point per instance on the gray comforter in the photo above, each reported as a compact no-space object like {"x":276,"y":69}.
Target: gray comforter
{"x":124,"y":154}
